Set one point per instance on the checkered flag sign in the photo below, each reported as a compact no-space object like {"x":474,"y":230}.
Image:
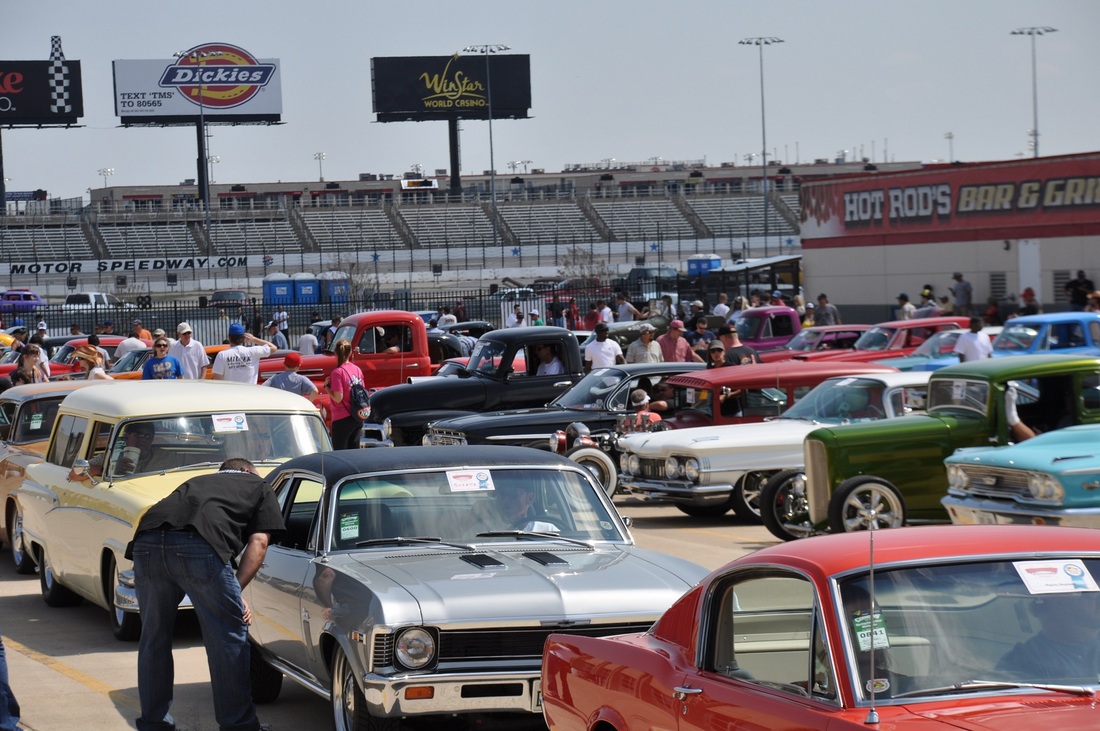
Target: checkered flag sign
{"x":59,"y":79}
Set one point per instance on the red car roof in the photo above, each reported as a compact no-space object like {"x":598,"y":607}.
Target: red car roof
{"x":762,"y":375}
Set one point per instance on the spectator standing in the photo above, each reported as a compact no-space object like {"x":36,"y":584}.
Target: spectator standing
{"x":1079,"y":290}
{"x":626,"y":311}
{"x":189,"y":352}
{"x":906,"y":309}
{"x":460,"y":311}
{"x":291,"y":380}
{"x":674,"y":347}
{"x":108,"y":327}
{"x":74,"y":330}
{"x":808,"y":316}
{"x":535,"y":319}
{"x":573,"y":319}
{"x":275,"y":336}
{"x":9,"y":706}
{"x":129,"y":344}
{"x":329,"y":334}
{"x":963,"y":292}
{"x":28,"y":367}
{"x":307,"y":342}
{"x":93,"y":340}
{"x":240,"y":362}
{"x":700,"y":337}
{"x":992,"y":314}
{"x":93,"y":366}
{"x":737,"y":353}
{"x":447,"y":318}
{"x":603,"y":351}
{"x":516,"y":318}
{"x":1094,"y":303}
{"x":695,"y":315}
{"x":974,"y":345}
{"x":1029,"y":306}
{"x":826,"y":313}
{"x":722,"y":309}
{"x":645,"y":349}
{"x":347,"y":430}
{"x":716,"y":355}
{"x":137,"y":330}
{"x":606,"y":315}
{"x":184,"y":545}
{"x":927,"y":306}
{"x":282,"y":319}
{"x":592,"y":317}
{"x":666,"y":308}
{"x":161,"y":366}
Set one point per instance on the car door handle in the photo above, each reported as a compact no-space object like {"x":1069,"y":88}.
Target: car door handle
{"x":681,"y":692}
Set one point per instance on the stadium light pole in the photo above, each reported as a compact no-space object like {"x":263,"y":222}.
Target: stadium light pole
{"x":212,"y":160}
{"x":199,"y":58}
{"x":320,"y":158}
{"x":485,"y":50}
{"x":1033,"y":31}
{"x":105,"y":173}
{"x":760,"y":42}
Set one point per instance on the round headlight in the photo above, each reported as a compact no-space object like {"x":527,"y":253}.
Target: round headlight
{"x":672,"y":468}
{"x":1044,"y":487}
{"x":632,"y":463}
{"x":691,"y":469}
{"x":957,"y":477}
{"x":415,"y":648}
{"x":387,"y":428}
{"x":556,"y":442}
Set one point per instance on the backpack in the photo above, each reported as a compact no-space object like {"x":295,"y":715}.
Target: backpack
{"x":359,"y":404}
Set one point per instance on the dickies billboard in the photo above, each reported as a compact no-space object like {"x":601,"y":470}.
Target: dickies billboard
{"x":1057,"y":196}
{"x":215,"y":81}
{"x":422,"y":88}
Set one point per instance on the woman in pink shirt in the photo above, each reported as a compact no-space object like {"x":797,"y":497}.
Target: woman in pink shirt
{"x":346,"y":428}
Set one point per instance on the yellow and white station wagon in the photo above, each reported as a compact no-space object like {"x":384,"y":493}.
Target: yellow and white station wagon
{"x":118,"y":448}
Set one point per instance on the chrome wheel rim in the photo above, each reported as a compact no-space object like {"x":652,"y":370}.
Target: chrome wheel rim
{"x":872,"y":507}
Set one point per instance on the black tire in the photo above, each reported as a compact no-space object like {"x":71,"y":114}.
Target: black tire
{"x":861,"y":503}
{"x":53,"y":593}
{"x":600,"y":464}
{"x":783,"y":505}
{"x":746,"y":496}
{"x":349,"y":707}
{"x":125,"y":626}
{"x":265,"y":680}
{"x":21,"y":557}
{"x":704,"y":511}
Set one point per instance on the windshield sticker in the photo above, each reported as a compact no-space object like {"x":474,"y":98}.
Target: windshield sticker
{"x":877,"y":685}
{"x":958,"y":391}
{"x":349,"y":526}
{"x":470,"y":480}
{"x":862,"y":626}
{"x":689,"y":395}
{"x":229,"y":422}
{"x":844,"y":382}
{"x":1055,"y":577}
{"x":36,"y":422}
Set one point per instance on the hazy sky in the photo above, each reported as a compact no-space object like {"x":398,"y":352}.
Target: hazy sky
{"x":624,"y":79}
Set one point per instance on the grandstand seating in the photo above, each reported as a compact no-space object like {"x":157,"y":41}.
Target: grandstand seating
{"x":641,"y":218}
{"x":552,"y":222}
{"x":272,"y":236}
{"x":741,"y":215}
{"x":443,"y":224}
{"x":337,"y":229}
{"x":139,"y":240}
{"x":37,"y":243}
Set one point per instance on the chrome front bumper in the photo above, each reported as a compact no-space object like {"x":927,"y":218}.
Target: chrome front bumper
{"x":515,"y":692}
{"x":677,"y":491}
{"x":971,"y":511}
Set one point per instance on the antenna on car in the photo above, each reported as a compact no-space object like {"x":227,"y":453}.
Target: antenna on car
{"x":872,"y":713}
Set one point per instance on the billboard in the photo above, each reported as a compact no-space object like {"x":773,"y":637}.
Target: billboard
{"x":37,"y":93}
{"x":1054,"y":196}
{"x":423,"y":88}
{"x":216,"y":81}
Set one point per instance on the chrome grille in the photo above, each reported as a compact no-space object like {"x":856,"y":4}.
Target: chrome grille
{"x":446,"y":438}
{"x":653,"y":469}
{"x":996,"y":482}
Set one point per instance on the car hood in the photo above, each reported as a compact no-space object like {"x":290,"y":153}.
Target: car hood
{"x":717,"y":439}
{"x":516,"y":420}
{"x":1015,"y":713}
{"x":527,"y":582}
{"x":1073,"y":449}
{"x":449,"y":393}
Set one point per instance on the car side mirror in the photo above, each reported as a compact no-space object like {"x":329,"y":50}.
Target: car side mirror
{"x":80,"y":467}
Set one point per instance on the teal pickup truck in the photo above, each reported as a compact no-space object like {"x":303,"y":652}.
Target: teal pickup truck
{"x":885,"y":474}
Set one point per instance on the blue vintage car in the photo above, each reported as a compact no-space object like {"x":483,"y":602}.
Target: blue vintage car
{"x":1053,"y":479}
{"x":934,"y":353}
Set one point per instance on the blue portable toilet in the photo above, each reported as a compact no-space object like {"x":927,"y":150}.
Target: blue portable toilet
{"x":702,"y":263}
{"x":307,"y":290}
{"x":278,"y":289}
{"x":335,"y":287}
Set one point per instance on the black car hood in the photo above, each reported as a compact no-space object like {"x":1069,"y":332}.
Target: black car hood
{"x":513,"y":421}
{"x":442,"y":393}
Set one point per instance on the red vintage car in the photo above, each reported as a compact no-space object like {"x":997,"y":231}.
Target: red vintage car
{"x":63,"y":363}
{"x":828,"y":338}
{"x":992,"y":628}
{"x":893,"y":339}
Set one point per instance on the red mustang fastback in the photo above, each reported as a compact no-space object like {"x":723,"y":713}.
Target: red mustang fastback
{"x":958,"y":627}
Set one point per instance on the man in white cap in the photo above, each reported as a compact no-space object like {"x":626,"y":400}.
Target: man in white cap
{"x":645,"y":349}
{"x":189,"y":352}
{"x":240,"y":362}
{"x":535,"y":318}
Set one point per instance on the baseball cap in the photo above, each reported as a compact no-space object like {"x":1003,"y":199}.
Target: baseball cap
{"x":108,"y":323}
{"x":903,"y":296}
{"x":136,"y":322}
{"x":292,"y":360}
{"x":676,"y":325}
{"x":697,"y":303}
{"x":638,"y":397}
{"x":182,"y":328}
{"x":1028,"y":292}
{"x":236,"y":329}
{"x":159,"y":333}
{"x":41,"y":324}
{"x":1081,"y":273}
{"x":777,"y":293}
{"x":601,"y":327}
{"x":272,"y":323}
{"x":533,"y":312}
{"x":809,"y":305}
{"x":725,"y":330}
{"x":716,"y":345}
{"x":645,"y":327}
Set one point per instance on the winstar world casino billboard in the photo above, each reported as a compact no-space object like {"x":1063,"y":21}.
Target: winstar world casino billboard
{"x":422,"y":88}
{"x":217,"y":81}
{"x":1038,"y":198}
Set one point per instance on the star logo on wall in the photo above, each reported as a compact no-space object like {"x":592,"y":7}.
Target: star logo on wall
{"x":515,"y":251}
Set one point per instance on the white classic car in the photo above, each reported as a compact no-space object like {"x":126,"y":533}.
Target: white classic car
{"x":706,"y":471}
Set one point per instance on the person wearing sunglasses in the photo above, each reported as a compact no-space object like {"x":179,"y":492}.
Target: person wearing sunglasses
{"x":137,"y":439}
{"x":161,"y":365}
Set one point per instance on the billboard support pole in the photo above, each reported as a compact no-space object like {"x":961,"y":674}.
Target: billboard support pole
{"x":456,"y":157}
{"x":3,"y":181}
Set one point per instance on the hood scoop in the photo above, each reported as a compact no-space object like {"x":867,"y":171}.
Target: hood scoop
{"x":482,"y":561}
{"x":546,"y":558}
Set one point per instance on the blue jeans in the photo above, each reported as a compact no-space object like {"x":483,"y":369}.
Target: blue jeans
{"x":167,"y":565}
{"x":9,"y":707}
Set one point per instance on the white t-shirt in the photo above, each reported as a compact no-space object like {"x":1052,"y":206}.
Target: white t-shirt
{"x":281,"y":319}
{"x":127,"y":345}
{"x":192,"y":357}
{"x":307,"y":344}
{"x":973,"y":346}
{"x":602,"y":353}
{"x":240,"y":363}
{"x":553,"y":368}
{"x":606,"y":315}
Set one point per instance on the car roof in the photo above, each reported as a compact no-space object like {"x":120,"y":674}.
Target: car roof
{"x":346,"y":462}
{"x":957,"y":321}
{"x":834,"y":328}
{"x":1049,"y":317}
{"x":32,"y":391}
{"x":898,"y":378}
{"x":774,"y":374}
{"x":1020,"y":366}
{"x":513,"y":334}
{"x":150,"y":398}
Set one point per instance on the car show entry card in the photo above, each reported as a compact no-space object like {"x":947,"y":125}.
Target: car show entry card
{"x":1055,"y":577}
{"x":229,"y":422}
{"x":470,"y":480}
{"x":867,"y":626}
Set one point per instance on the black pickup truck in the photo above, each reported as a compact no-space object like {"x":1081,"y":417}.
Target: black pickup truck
{"x":502,"y":374}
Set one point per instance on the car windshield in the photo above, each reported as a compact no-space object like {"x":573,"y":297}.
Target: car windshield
{"x":942,"y":343}
{"x":803,"y":341}
{"x":170,"y":442}
{"x":60,"y":355}
{"x":10,"y":357}
{"x":877,"y":338}
{"x":486,"y":357}
{"x":1016,"y":337}
{"x":130,"y":361}
{"x":35,"y":420}
{"x":1001,"y":621}
{"x":595,"y":391}
{"x":748,"y":327}
{"x":471,"y":505}
{"x":763,"y":402}
{"x":841,"y":400}
{"x":957,"y":393}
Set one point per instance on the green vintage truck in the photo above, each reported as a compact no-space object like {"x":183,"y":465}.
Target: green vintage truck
{"x":885,"y":474}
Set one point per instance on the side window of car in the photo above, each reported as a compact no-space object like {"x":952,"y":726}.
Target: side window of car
{"x":782,"y":326}
{"x":1090,"y":394}
{"x":300,"y":498}
{"x":64,"y":449}
{"x":763,"y":631}
{"x":101,"y":438}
